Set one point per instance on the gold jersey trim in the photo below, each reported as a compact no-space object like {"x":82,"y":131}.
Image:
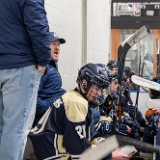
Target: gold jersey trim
{"x":76,"y":106}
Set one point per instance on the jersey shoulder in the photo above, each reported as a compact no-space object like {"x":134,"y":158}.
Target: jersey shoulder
{"x":75,"y":105}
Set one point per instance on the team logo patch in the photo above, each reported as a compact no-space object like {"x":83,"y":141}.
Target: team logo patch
{"x":57,"y":103}
{"x":55,"y":35}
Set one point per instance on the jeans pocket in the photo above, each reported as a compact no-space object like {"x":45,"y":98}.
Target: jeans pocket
{"x":37,"y":74}
{"x":40,"y":72}
{"x":12,"y":79}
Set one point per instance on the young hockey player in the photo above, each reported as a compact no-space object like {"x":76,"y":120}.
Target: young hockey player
{"x":113,"y":66}
{"x":153,"y":121}
{"x":66,"y":132}
{"x":126,"y":93}
{"x":128,"y":127}
{"x":128,"y":106}
{"x":107,"y":109}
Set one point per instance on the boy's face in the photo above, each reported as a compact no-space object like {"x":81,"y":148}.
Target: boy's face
{"x":93,"y":93}
{"x":128,"y":80}
{"x":114,"y":85}
{"x":114,"y":70}
{"x":55,"y":50}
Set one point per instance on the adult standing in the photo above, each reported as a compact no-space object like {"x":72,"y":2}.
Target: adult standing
{"x":147,"y":67}
{"x":24,"y":54}
{"x":50,"y":88}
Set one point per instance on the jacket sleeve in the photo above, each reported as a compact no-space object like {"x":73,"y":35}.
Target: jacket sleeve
{"x":34,"y":17}
{"x":42,"y":106}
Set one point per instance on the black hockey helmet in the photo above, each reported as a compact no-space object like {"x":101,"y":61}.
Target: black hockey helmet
{"x":93,"y":74}
{"x":128,"y":71}
{"x":158,"y":77}
{"x":153,"y":93}
{"x":112,"y":64}
{"x":107,"y":71}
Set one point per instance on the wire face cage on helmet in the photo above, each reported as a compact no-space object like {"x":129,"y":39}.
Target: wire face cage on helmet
{"x":100,"y":100}
{"x":95,"y":75}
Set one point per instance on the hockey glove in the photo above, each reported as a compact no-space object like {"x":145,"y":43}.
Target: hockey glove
{"x":128,"y":121}
{"x":139,"y":116}
{"x":151,"y":127}
{"x":121,"y":129}
{"x":104,"y":127}
{"x":131,"y":111}
{"x":136,"y":126}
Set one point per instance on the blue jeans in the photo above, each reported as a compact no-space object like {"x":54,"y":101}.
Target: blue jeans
{"x":18,"y":97}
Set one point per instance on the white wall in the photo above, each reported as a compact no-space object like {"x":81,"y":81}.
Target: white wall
{"x":98,"y":31}
{"x":85,"y":24}
{"x":143,"y":97}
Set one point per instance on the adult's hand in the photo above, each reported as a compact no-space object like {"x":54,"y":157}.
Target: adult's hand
{"x":157,"y":111}
{"x":117,"y":155}
{"x":129,"y":129}
{"x":40,"y":68}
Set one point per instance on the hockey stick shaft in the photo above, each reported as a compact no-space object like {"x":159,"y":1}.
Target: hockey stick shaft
{"x":138,"y":87}
{"x":127,"y":44}
{"x":122,"y":52}
{"x":158,"y":56}
{"x":145,"y":83}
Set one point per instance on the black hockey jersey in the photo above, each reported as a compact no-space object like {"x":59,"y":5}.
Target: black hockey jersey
{"x":66,"y":133}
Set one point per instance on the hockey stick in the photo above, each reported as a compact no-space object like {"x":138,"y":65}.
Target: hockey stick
{"x":158,"y":56}
{"x":122,"y":52}
{"x":153,"y":103}
{"x":138,"y":87}
{"x":145,"y":83}
{"x":111,"y":143}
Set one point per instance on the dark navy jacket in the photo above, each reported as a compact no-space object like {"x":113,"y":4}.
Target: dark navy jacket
{"x":24,"y":33}
{"x":49,"y":89}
